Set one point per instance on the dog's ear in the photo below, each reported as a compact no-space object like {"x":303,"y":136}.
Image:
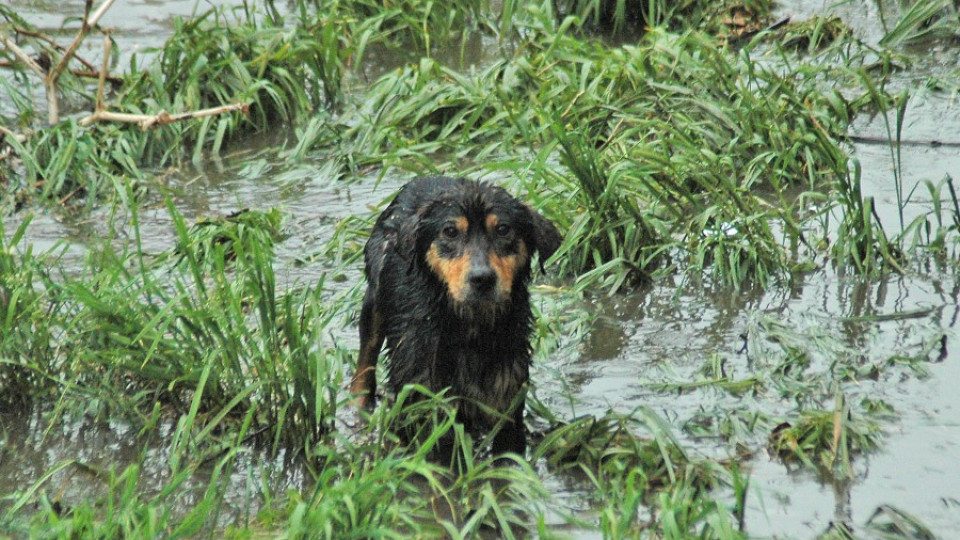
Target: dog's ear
{"x":547,"y":238}
{"x":415,"y":232}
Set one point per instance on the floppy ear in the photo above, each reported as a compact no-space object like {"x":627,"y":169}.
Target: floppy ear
{"x":546,"y":236}
{"x":414,"y":237}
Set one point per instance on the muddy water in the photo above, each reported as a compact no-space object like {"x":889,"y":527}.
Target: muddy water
{"x":137,"y":25}
{"x":639,"y":341}
{"x":652,"y":338}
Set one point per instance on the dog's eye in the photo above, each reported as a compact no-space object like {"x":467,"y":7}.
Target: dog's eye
{"x":450,"y":232}
{"x":503,"y":230}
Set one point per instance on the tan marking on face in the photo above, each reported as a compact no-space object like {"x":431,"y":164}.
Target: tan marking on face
{"x":453,"y":272}
{"x":461,"y":224}
{"x":506,"y":267}
{"x":492,"y":221}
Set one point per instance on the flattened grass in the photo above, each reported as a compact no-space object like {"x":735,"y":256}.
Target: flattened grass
{"x":700,"y":148}
{"x":686,"y":136}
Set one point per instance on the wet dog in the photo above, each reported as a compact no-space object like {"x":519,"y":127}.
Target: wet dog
{"x":447,"y":266}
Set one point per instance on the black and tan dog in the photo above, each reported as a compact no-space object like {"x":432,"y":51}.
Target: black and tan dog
{"x":447,"y":265}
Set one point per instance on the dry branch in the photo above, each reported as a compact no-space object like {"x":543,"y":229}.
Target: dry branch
{"x":85,"y":73}
{"x":147,"y":121}
{"x":50,"y":77}
{"x":50,"y":81}
{"x":60,"y":48}
{"x":107,"y":48}
{"x":101,"y":114}
{"x":88,"y":23}
{"x":7,"y":133}
{"x":21,"y":55}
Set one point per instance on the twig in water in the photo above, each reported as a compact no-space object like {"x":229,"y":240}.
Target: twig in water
{"x":933,"y":143}
{"x":107,"y":49}
{"x":163,"y":117}
{"x":50,"y":77}
{"x":101,"y":114}
{"x":52,"y":43}
{"x":50,"y":81}
{"x":85,"y":73}
{"x":22,"y":55}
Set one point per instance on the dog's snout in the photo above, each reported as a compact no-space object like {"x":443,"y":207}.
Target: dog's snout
{"x":482,"y":278}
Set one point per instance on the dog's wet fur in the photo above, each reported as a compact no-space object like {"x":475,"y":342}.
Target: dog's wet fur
{"x":447,"y":266}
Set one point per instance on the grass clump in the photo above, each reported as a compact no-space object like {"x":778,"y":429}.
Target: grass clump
{"x":612,"y":229}
{"x":219,"y":58}
{"x":608,"y":446}
{"x":634,"y":475}
{"x":28,"y":322}
{"x":922,"y":22}
{"x":399,"y":496}
{"x":285,"y":72}
{"x":67,"y":165}
{"x":704,"y":147}
{"x":209,"y":335}
{"x":412,"y":24}
{"x":425,"y":109}
{"x":233,"y":232}
{"x":384,"y":487}
{"x":825,"y":440}
{"x":891,"y":522}
{"x":815,"y":34}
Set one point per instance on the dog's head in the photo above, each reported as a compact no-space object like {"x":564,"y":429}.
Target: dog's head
{"x":477,"y":241}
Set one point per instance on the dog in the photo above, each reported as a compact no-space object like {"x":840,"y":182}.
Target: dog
{"x":447,"y":264}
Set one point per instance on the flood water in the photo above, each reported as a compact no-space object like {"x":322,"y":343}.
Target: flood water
{"x":641,"y":340}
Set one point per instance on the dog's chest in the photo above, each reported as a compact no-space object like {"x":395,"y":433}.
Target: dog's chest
{"x":477,"y":369}
{"x":491,"y":379}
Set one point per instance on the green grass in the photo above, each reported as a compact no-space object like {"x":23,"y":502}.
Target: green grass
{"x":28,"y":312}
{"x":698,"y":142}
{"x":825,"y":440}
{"x":205,"y":328}
{"x":666,"y":147}
{"x":923,"y":22}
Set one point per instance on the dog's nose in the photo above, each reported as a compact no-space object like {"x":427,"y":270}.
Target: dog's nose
{"x":482,"y":278}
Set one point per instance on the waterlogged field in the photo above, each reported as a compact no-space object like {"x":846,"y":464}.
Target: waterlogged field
{"x":749,"y":331}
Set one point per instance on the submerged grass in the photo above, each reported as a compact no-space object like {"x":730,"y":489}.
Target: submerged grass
{"x":825,"y":440}
{"x":632,"y":475}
